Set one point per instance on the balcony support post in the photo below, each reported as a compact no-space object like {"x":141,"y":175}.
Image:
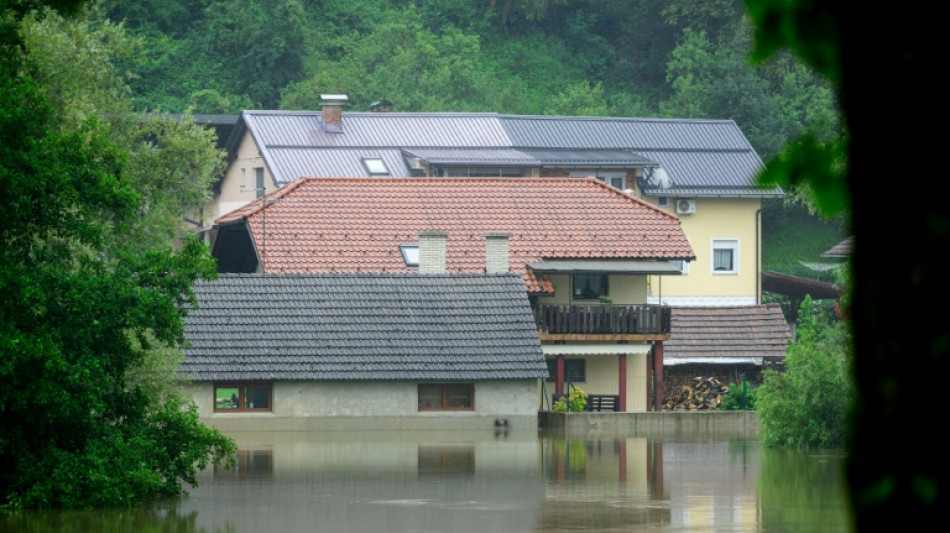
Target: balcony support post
{"x":622,"y":373}
{"x":559,"y":384}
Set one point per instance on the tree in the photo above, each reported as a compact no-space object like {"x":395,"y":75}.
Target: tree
{"x":82,"y":312}
{"x":901,"y":340}
{"x":806,"y":404}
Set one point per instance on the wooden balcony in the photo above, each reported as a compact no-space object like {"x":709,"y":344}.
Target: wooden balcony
{"x":602,"y":322}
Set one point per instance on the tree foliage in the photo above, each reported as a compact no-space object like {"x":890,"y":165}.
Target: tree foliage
{"x":83,"y":308}
{"x":806,"y":404}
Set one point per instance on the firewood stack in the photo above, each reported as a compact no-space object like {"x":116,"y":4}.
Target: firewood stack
{"x":701,"y":393}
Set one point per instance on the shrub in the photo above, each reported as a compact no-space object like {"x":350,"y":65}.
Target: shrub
{"x":806,"y":405}
{"x":740,"y":397}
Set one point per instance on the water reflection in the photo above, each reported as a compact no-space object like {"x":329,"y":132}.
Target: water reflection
{"x":485,"y":481}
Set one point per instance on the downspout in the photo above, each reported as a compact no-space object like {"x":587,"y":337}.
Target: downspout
{"x":758,"y":255}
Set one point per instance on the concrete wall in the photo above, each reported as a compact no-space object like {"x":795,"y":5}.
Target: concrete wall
{"x":713,"y":424}
{"x":301,"y":405}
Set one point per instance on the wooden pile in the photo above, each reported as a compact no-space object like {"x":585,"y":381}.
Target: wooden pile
{"x":701,"y":393}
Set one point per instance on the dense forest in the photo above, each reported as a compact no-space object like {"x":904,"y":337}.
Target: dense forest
{"x":681,"y":58}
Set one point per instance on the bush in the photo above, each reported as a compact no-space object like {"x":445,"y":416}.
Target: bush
{"x":574,"y":402}
{"x":740,"y":397}
{"x":806,"y":405}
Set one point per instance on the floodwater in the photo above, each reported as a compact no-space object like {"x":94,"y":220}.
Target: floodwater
{"x":487,"y":481}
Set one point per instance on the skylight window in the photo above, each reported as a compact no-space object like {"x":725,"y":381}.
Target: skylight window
{"x":375,"y":166}
{"x":410,"y":254}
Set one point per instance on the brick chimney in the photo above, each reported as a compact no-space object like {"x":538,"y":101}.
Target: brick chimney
{"x":432,"y":252}
{"x":496,"y":253}
{"x":332,"y":106}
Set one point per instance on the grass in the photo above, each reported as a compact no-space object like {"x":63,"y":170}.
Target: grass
{"x":791,"y":235}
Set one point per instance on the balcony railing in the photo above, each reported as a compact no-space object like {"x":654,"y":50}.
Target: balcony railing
{"x":601,"y":319}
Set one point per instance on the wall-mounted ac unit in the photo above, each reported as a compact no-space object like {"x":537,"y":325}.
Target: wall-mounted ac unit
{"x":685,"y":207}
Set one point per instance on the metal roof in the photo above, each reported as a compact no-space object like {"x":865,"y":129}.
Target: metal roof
{"x":288,"y":164}
{"x":702,"y":157}
{"x":362,"y":327}
{"x":605,"y":267}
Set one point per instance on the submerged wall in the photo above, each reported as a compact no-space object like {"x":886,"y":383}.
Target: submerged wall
{"x":718,"y":424}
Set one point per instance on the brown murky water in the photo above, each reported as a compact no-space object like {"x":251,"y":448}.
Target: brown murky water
{"x":484,"y":482}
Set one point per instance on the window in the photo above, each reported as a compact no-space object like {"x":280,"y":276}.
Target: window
{"x":259,"y":181}
{"x":375,"y":166}
{"x":477,"y":172}
{"x":238,"y":397}
{"x":573,"y":370}
{"x":410,"y":254}
{"x":615,"y":179}
{"x":663,"y":201}
{"x":589,"y":286}
{"x":446,"y":397}
{"x":725,"y":256}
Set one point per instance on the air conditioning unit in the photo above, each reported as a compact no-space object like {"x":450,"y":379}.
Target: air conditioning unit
{"x":685,"y":207}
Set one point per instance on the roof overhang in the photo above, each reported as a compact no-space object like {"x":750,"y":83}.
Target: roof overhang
{"x":596,"y":349}
{"x":586,"y":266}
{"x":673,"y":361}
{"x":530,"y":157}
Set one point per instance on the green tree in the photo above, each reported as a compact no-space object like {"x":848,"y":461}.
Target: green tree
{"x":806,"y":404}
{"x":82,"y":311}
{"x":171,"y":163}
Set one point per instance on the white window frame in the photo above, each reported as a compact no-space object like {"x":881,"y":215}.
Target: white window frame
{"x":375,"y":166}
{"x":724,"y":244}
{"x":410,"y":254}
{"x":259,"y":186}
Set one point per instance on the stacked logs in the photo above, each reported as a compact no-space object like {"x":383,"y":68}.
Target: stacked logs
{"x":699,"y":394}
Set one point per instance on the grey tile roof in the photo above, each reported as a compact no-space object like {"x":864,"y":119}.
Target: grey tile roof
{"x":703,"y":157}
{"x":362,"y":327}
{"x":709,"y":334}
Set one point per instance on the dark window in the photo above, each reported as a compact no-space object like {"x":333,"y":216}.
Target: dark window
{"x":242,"y":397}
{"x":259,"y":181}
{"x":446,"y":396}
{"x":573,"y":370}
{"x":589,"y":286}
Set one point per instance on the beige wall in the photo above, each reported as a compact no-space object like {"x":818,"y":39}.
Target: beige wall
{"x":237,"y":188}
{"x":623,"y":289}
{"x":715,"y":218}
{"x":602,"y":377}
{"x":301,"y":405}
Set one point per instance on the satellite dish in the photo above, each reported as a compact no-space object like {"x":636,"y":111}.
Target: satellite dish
{"x":662,"y":179}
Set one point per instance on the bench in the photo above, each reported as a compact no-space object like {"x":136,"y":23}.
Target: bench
{"x":597,"y":402}
{"x":603,"y":402}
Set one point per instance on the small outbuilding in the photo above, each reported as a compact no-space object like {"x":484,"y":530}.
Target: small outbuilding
{"x":363,"y":351}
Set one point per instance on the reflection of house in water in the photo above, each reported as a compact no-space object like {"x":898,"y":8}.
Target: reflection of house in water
{"x":606,"y":483}
{"x":446,"y":459}
{"x":256,"y":463}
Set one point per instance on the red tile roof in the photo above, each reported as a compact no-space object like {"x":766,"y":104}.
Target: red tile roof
{"x":321,"y":225}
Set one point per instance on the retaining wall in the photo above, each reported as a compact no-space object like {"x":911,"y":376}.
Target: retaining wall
{"x":716,"y":424}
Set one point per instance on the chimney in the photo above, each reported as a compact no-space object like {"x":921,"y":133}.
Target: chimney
{"x":332,"y":106}
{"x":432,"y":252}
{"x":496,"y":253}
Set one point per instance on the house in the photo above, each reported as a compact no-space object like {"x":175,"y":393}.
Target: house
{"x":703,"y":171}
{"x":585,"y":252}
{"x":363,"y":351}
